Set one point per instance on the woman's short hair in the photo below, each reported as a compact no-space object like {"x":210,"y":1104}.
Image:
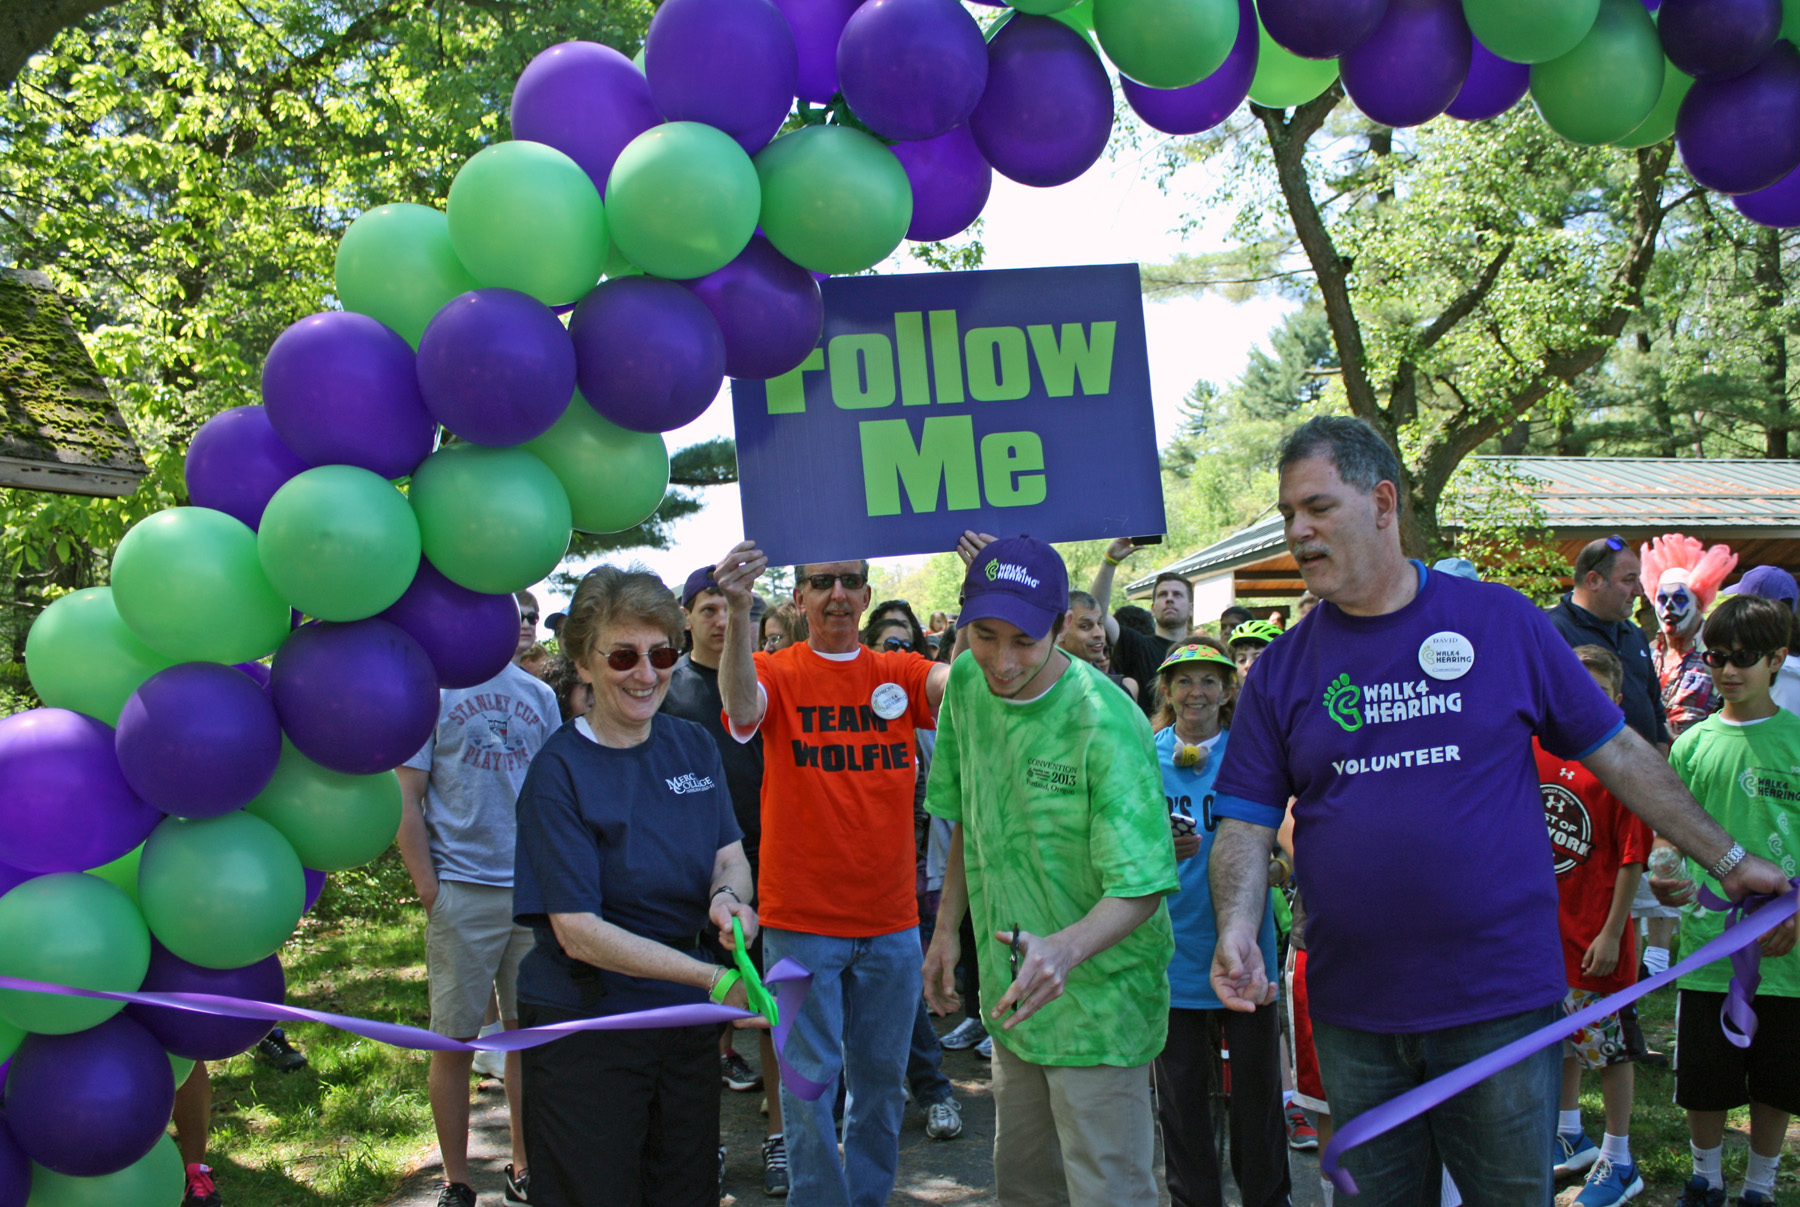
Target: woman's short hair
{"x":610,"y":596}
{"x":1165,"y":707}
{"x":1748,"y":622}
{"x":791,"y":619}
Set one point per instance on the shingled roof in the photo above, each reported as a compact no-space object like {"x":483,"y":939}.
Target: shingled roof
{"x":59,"y":428}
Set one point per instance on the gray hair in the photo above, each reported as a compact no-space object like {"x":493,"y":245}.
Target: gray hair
{"x":609,"y":595}
{"x":1361,"y":456}
{"x":800,"y":571}
{"x":1081,"y":599}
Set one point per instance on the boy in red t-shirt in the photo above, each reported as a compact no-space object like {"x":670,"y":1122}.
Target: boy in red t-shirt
{"x":1600,"y":850}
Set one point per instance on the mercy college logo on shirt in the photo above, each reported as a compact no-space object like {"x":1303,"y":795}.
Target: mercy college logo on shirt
{"x":690,"y":782}
{"x":1353,"y":707}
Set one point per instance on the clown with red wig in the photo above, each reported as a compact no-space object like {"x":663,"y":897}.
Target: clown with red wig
{"x":1682,"y":577}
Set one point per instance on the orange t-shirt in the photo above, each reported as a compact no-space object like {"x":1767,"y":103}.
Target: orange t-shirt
{"x":837,"y":792}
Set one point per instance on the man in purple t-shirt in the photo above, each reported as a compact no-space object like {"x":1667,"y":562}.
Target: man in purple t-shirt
{"x":1399,"y":716}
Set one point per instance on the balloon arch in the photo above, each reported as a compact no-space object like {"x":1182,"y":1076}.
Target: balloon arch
{"x":212,"y":793}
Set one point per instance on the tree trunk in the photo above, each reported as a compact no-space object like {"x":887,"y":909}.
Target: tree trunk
{"x":1771,"y":292}
{"x":27,"y":26}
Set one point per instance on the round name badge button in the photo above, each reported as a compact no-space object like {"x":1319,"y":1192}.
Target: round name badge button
{"x":889,"y":701}
{"x":1446,"y":655}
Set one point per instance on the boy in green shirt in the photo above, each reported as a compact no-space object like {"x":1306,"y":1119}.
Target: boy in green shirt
{"x":1743,"y":765}
{"x":1063,"y":852}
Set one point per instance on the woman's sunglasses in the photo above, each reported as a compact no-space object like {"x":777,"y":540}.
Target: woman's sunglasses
{"x":530,"y":618}
{"x":896,"y":643}
{"x":1742,"y":659}
{"x":662,"y":658}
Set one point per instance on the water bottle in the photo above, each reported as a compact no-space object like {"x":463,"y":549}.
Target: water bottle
{"x":1666,"y":864}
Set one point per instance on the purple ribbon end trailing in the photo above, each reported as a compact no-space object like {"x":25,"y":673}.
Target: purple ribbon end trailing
{"x":1340,"y":1177}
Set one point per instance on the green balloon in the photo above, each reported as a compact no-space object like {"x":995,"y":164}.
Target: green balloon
{"x":122,"y":871}
{"x":1283,"y":79}
{"x":1044,"y":8}
{"x":81,"y":656}
{"x":396,"y":264}
{"x":10,"y":1039}
{"x":615,"y":479}
{"x":69,"y":929}
{"x":339,"y":543}
{"x":525,"y":216}
{"x":188,"y":582}
{"x":495,"y":520}
{"x":332,"y":820}
{"x":1790,"y":20}
{"x":1531,"y":31}
{"x":1166,"y":43}
{"x":157,"y":1180}
{"x":1660,"y":124}
{"x":833,"y":199}
{"x":181,"y":1066}
{"x":220,"y":892}
{"x":619,"y":265}
{"x":1606,"y":87}
{"x":682,"y":200}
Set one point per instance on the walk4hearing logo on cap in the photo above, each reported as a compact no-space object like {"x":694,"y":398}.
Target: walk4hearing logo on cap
{"x":1011,"y":573}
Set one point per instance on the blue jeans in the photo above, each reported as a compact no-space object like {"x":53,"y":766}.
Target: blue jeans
{"x":857,"y":1022}
{"x":925,"y":1063}
{"x":1494,"y":1137}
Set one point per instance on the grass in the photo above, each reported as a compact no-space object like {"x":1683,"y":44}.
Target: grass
{"x":345,"y":1130}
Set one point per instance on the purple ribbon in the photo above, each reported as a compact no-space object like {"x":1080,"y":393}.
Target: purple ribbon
{"x":1751,"y":919}
{"x":792,"y":982}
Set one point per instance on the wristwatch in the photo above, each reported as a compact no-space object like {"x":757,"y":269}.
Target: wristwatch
{"x":1727,"y":861}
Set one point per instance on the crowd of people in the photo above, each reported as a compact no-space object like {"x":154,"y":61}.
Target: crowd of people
{"x":1119,"y":847}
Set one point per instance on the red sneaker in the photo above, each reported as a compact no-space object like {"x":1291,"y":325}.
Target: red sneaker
{"x":200,"y":1190}
{"x":1300,"y":1133}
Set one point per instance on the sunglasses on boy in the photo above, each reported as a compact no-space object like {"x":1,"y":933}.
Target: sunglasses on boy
{"x":1742,"y":659}
{"x":662,"y":658}
{"x":823,"y":582}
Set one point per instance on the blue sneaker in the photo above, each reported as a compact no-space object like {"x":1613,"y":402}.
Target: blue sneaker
{"x":1609,"y":1185}
{"x":1756,"y":1198}
{"x":1574,"y":1152}
{"x":1701,"y":1193}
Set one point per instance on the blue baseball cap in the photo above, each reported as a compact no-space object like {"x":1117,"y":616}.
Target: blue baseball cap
{"x":700,"y":580}
{"x":1770,"y":582}
{"x":1019,"y":580}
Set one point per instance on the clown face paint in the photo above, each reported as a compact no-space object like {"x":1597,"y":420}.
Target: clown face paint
{"x":1677,"y":607}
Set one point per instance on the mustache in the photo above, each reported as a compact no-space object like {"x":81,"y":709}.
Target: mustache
{"x":1309,"y":548}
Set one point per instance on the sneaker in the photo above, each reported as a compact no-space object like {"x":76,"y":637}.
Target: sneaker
{"x":200,"y":1189}
{"x":1609,"y":1185}
{"x":985,"y":1049}
{"x":275,"y":1048}
{"x":456,"y":1194}
{"x":490,"y":1064}
{"x":964,"y":1035}
{"x":775,"y":1170}
{"x":943,"y":1120}
{"x":1701,"y":1193}
{"x":518,"y":1187}
{"x":737,"y":1074}
{"x":1636,"y":1046}
{"x":1302,"y":1136}
{"x":1573,"y":1152}
{"x":1755,"y":1198}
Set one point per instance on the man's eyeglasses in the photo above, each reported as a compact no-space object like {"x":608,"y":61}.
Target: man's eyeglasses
{"x":530,"y":618}
{"x":1742,"y":659}
{"x":662,"y":658}
{"x":823,"y":582}
{"x":896,"y":643}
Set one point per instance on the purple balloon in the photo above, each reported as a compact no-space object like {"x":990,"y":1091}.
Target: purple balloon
{"x":15,"y":1166}
{"x":950,"y":184}
{"x":341,"y":390}
{"x":496,"y":367}
{"x":649,"y":355}
{"x":1047,"y":112}
{"x":1321,"y":29}
{"x":199,"y":1036}
{"x":912,"y":69}
{"x":768,"y":309}
{"x":1412,"y":65}
{"x":198,"y":740}
{"x":587,"y":101}
{"x":1203,"y":105}
{"x":1494,"y":85}
{"x":1777,"y":206}
{"x":469,"y":636}
{"x":90,"y":1103}
{"x":359,"y":698}
{"x":315,"y":884}
{"x":255,"y":670}
{"x":236,"y":463}
{"x":1718,"y":37}
{"x":64,"y":804}
{"x":1743,"y":134}
{"x":817,"y":25}
{"x":728,"y":63}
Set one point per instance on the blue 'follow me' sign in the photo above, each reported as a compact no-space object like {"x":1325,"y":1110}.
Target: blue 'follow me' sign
{"x":1004,"y":402}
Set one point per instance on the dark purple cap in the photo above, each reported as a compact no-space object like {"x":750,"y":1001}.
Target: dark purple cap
{"x":700,"y":580}
{"x":1019,"y":580}
{"x":1770,"y":582}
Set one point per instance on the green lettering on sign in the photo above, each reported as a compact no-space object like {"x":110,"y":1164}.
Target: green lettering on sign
{"x":1077,"y":353}
{"x":909,"y":339}
{"x":944,"y":454}
{"x":1007,"y":459}
{"x":999,"y":370}
{"x":787,"y":393}
{"x":946,"y":357}
{"x":862,"y":371}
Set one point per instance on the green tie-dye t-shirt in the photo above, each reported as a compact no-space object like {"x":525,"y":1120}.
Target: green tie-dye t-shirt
{"x":1061,"y":804}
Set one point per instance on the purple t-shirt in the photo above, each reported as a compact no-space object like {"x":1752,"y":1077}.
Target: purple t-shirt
{"x":1418,"y":829}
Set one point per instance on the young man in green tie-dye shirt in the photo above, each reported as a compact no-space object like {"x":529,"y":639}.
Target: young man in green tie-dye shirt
{"x":1062,"y":849}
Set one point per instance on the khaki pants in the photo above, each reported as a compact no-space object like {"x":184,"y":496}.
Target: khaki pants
{"x":1077,"y":1136}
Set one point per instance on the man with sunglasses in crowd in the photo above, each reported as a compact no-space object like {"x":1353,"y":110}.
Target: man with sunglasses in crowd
{"x":838,"y":890}
{"x":457,"y":831}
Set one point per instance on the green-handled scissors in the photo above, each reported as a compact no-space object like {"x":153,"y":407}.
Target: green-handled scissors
{"x":761,"y":1001}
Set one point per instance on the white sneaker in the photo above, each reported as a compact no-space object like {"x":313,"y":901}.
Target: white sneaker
{"x":491,"y":1064}
{"x":943,"y":1120}
{"x":965,"y":1034}
{"x":985,"y":1049}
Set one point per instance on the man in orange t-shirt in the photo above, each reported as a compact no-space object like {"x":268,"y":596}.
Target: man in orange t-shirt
{"x":837,"y":892}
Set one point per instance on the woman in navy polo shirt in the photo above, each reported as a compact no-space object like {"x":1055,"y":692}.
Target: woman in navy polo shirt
{"x":628,"y":851}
